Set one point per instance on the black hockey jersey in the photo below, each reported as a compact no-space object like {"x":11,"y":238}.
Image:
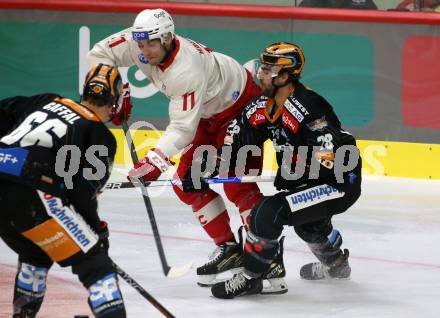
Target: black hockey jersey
{"x":47,"y":139}
{"x":305,"y":120}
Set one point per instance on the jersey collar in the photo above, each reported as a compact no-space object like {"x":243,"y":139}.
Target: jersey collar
{"x":269,"y":103}
{"x":171,"y":58}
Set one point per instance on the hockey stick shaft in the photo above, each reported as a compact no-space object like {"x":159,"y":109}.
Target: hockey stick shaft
{"x":147,"y":201}
{"x":130,"y":281}
{"x":171,"y":182}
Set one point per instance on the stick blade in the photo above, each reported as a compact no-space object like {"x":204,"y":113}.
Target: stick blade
{"x":178,"y":271}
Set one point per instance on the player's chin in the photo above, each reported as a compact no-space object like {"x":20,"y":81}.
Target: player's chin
{"x":267,"y":91}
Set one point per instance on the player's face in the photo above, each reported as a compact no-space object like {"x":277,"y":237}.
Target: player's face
{"x":265,"y":74}
{"x":153,"y":50}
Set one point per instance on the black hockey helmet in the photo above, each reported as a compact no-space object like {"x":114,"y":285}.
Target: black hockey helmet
{"x":284,"y":56}
{"x":103,"y":84}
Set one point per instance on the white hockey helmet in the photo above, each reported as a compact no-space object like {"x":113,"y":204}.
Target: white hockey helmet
{"x":152,"y":24}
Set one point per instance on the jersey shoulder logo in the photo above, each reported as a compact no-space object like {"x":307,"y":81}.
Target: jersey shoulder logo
{"x":235,"y":95}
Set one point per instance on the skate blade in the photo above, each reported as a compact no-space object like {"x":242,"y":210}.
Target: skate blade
{"x":178,"y":271}
{"x":210,"y":280}
{"x":326,"y":279}
{"x":274,"y":286}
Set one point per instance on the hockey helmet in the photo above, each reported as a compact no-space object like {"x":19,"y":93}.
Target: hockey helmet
{"x":283,"y":56}
{"x":103,"y":83}
{"x":152,"y":24}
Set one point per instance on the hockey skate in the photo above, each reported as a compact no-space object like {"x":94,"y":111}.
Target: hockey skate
{"x":339,"y":269}
{"x":226,"y":257}
{"x":273,"y":278}
{"x":239,"y":285}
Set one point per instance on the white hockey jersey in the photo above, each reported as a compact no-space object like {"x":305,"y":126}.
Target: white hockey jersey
{"x":198,"y":82}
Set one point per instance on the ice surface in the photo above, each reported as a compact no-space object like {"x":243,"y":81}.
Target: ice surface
{"x":393,"y":233}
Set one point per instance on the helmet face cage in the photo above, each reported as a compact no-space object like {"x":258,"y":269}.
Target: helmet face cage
{"x":264,"y":70}
{"x":153,"y":24}
{"x":283,"y":56}
{"x":103,"y":83}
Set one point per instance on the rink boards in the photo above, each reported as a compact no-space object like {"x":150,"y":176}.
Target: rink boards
{"x":380,"y":158}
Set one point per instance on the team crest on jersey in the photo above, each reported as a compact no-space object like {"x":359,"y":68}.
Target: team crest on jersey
{"x":142,"y":58}
{"x":290,"y":122}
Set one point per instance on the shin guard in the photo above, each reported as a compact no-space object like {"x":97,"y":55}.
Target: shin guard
{"x":259,"y":254}
{"x":30,"y":287}
{"x":105,"y":298}
{"x":330,"y":250}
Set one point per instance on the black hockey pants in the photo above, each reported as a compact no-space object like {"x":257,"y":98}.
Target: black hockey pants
{"x":308,"y":209}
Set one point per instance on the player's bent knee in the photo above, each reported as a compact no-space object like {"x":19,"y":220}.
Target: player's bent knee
{"x":264,"y":218}
{"x":105,"y":298}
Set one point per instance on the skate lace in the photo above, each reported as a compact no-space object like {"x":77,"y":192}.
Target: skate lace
{"x":216,"y":254}
{"x":235,"y":283}
{"x":319,"y":270}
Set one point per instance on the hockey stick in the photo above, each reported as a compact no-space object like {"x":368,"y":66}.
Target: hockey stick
{"x":171,"y":182}
{"x":167,"y":270}
{"x":130,"y":281}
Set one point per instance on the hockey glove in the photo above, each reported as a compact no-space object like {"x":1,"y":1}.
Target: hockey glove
{"x":122,"y":108}
{"x":283,"y":182}
{"x":194,"y":183}
{"x":150,"y":167}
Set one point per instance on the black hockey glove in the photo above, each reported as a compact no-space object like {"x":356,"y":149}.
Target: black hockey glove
{"x":281,"y":183}
{"x":194,"y":183}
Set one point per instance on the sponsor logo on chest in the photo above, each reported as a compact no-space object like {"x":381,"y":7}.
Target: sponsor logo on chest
{"x":299,"y":105}
{"x":257,"y":118}
{"x":290,"y":122}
